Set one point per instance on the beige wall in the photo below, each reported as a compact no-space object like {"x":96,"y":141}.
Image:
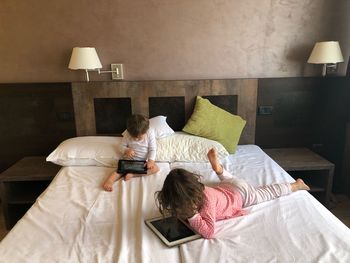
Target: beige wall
{"x":340,"y":22}
{"x":165,"y":39}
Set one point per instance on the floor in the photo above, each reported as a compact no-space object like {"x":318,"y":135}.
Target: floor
{"x":340,"y":207}
{"x":3,"y":230}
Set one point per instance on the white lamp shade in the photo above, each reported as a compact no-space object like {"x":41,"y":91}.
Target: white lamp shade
{"x":84,"y":58}
{"x":325,"y":53}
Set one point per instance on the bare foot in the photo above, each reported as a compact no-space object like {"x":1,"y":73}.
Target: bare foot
{"x":299,"y":185}
{"x":214,"y":161}
{"x":108,"y":184}
{"x":128,"y":176}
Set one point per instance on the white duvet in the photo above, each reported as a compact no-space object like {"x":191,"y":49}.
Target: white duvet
{"x":74,"y":220}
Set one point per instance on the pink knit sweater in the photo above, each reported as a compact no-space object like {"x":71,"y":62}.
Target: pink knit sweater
{"x":220,"y":202}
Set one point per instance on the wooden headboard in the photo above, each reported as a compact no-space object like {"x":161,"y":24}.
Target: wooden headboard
{"x":102,"y":107}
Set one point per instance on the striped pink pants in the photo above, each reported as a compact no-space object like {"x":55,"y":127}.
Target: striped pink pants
{"x":254,"y":195}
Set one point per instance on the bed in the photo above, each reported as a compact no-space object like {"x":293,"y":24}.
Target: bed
{"x":74,"y":220}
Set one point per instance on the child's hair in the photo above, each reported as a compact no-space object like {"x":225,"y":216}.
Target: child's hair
{"x":181,"y":195}
{"x":137,"y":125}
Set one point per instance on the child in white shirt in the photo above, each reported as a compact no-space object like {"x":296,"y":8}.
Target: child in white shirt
{"x":139,"y":143}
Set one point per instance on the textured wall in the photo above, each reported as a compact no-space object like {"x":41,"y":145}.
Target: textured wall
{"x":340,"y":20}
{"x":165,"y":39}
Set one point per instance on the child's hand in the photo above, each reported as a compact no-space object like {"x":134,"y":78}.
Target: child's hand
{"x":150,"y":164}
{"x":129,"y":153}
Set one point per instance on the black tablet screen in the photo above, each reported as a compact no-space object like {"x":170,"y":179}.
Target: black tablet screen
{"x":132,"y":166}
{"x":172,"y":228}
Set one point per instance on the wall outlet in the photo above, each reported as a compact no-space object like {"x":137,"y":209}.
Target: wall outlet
{"x":265,"y":110}
{"x":117,"y":71}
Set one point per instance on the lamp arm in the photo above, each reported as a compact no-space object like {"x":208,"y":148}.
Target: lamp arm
{"x":324,"y":70}
{"x":87,"y":75}
{"x":329,"y":65}
{"x":107,"y":71}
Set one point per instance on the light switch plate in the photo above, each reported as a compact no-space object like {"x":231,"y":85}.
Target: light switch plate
{"x":265,"y":110}
{"x":117,"y":71}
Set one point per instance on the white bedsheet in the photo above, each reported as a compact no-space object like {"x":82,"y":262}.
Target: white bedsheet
{"x":74,"y":220}
{"x":294,"y":228}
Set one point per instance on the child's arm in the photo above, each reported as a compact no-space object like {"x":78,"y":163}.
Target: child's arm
{"x":152,"y":145}
{"x":224,"y":175}
{"x":204,"y":223}
{"x":124,"y":145}
{"x":127,"y":152}
{"x":150,"y":164}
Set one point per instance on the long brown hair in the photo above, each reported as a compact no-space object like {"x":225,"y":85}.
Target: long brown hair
{"x":181,"y":195}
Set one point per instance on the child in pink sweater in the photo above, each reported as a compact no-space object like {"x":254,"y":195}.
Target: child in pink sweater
{"x":184,"y":196}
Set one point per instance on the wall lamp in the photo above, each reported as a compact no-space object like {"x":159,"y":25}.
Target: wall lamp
{"x":86,"y":58}
{"x":327,"y":53}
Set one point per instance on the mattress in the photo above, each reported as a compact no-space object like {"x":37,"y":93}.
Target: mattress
{"x":74,"y":220}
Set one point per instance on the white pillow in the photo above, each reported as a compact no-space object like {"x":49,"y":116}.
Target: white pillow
{"x":160,"y":127}
{"x":182,"y":147}
{"x":87,"y":151}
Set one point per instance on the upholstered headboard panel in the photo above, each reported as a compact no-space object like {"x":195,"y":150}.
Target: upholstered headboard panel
{"x":102,"y":107}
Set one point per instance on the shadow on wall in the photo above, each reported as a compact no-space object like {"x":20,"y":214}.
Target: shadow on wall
{"x":299,"y":55}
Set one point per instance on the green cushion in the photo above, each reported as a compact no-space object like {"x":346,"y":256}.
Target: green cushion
{"x":212,"y":122}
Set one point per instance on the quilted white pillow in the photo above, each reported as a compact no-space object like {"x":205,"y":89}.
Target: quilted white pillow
{"x":182,"y":147}
{"x":87,"y":151}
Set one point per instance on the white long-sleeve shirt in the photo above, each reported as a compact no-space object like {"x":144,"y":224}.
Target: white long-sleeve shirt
{"x":144,"y":149}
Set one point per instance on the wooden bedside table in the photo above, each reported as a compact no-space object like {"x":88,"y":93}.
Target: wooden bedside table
{"x":22,"y":183}
{"x":308,"y":165}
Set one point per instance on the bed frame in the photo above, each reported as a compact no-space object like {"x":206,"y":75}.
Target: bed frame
{"x":101,"y":108}
{"x":75,"y":220}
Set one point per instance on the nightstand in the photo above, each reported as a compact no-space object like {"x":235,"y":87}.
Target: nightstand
{"x":22,"y":183}
{"x":303,"y":163}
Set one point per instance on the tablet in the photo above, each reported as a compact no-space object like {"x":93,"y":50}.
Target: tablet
{"x":132,"y":166}
{"x":172,"y":231}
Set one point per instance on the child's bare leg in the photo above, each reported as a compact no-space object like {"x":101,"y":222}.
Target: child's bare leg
{"x":128,"y":176}
{"x":108,"y":183}
{"x":299,"y":185}
{"x":214,"y":161}
{"x":154,"y":170}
